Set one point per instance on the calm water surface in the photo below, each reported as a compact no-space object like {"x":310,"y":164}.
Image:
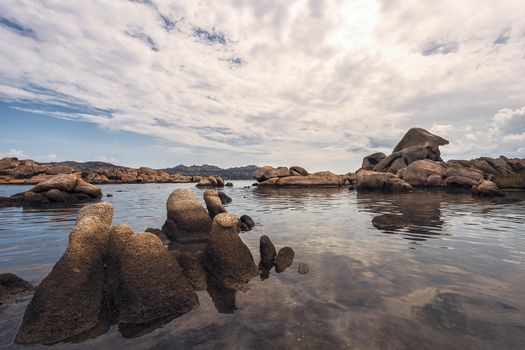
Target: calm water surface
{"x":454,"y":280}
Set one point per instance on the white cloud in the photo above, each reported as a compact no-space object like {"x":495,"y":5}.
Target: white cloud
{"x":106,"y":159}
{"x":319,"y":83}
{"x":14,"y":153}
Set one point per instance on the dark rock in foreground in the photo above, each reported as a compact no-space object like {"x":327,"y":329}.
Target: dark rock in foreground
{"x":148,"y":282}
{"x":246,"y":223}
{"x":284,"y":259}
{"x":390,"y":222}
{"x":10,"y":286}
{"x":228,"y":260}
{"x":267,"y":249}
{"x":69,"y":300}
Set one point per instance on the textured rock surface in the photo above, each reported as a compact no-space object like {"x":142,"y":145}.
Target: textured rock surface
{"x":369,"y":162}
{"x":213,"y":203}
{"x":267,"y":249}
{"x":379,"y":181}
{"x":319,"y":179}
{"x":228,"y":260}
{"x":187,"y":220}
{"x":487,"y":188}
{"x":12,"y":286}
{"x":149,"y":283}
{"x":224,"y":198}
{"x":269,"y":172}
{"x":424,"y":173}
{"x":69,"y":300}
{"x":419,"y":137}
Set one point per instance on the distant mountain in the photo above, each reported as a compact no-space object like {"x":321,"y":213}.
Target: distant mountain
{"x":235,"y":173}
{"x":85,"y":166}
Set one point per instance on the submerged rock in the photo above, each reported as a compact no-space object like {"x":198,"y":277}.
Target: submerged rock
{"x":267,"y":249}
{"x":390,"y":222}
{"x":228,"y":260}
{"x":303,"y":268}
{"x":149,"y":283}
{"x":187,"y":220}
{"x":213,"y":203}
{"x":69,"y":300}
{"x":11,"y":286}
{"x":284,"y":259}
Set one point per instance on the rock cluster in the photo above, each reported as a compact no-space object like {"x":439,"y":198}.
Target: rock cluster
{"x":211,"y":181}
{"x":296,"y":177}
{"x":270,"y":258}
{"x":106,"y":276}
{"x":416,"y":161}
{"x":58,"y":189}
{"x":29,"y":172}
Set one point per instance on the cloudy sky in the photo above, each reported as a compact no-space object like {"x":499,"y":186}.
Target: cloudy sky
{"x":313,"y":83}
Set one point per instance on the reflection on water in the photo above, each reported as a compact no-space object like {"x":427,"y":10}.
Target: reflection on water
{"x":453,"y":279}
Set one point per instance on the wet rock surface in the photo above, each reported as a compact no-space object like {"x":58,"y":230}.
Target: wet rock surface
{"x":246,"y":223}
{"x":267,"y":249}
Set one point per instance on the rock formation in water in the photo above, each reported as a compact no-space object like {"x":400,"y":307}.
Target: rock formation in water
{"x":188,"y":221}
{"x":211,"y":181}
{"x":417,"y":161}
{"x":228,"y":260}
{"x":246,"y":223}
{"x":225,"y":199}
{"x":284,"y":259}
{"x":267,"y":250}
{"x":213,"y":203}
{"x":106,"y":276}
{"x":377,"y":181}
{"x":58,"y":189}
{"x":297,"y":177}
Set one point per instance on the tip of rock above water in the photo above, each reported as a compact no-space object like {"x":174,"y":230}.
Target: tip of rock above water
{"x":226,"y":220}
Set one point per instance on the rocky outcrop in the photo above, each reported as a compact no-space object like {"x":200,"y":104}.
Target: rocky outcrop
{"x":424,"y":173}
{"x":282,"y":177}
{"x":187,"y":220}
{"x":69,"y":300}
{"x":378,"y":181}
{"x":228,"y":260}
{"x":213,"y":203}
{"x":61,"y":189}
{"x":211,"y":181}
{"x":104,"y":277}
{"x":284,"y":259}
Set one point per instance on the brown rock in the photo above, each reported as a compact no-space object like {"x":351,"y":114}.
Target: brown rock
{"x":59,"y":169}
{"x":213,"y":203}
{"x":187,"y":220}
{"x":267,"y":249}
{"x":424,"y":173}
{"x":379,"y":181}
{"x":369,"y":162}
{"x":419,"y":137}
{"x":55,"y":195}
{"x":69,"y":300}
{"x":228,"y":259}
{"x":487,"y":188}
{"x":269,"y":172}
{"x":390,"y":222}
{"x":284,"y":259}
{"x":298,"y":171}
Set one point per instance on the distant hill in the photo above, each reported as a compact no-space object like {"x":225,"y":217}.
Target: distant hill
{"x":86,"y":166}
{"x":235,"y":173}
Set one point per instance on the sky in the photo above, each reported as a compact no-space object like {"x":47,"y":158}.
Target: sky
{"x":319,"y":84}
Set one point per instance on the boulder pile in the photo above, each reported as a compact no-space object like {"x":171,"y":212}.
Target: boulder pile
{"x":296,"y":177}
{"x":58,"y":189}
{"x":416,"y":161}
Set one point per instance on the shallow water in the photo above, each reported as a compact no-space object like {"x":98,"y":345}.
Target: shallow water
{"x":454,"y":279}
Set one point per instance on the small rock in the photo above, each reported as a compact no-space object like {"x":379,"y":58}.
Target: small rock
{"x":284,"y":259}
{"x":109,"y":195}
{"x":303,"y":268}
{"x":248,"y":221}
{"x":390,"y":222}
{"x":267,"y":249}
{"x":228,"y":184}
{"x":224,"y":198}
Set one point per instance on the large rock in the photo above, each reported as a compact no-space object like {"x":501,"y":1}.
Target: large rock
{"x":187,"y":220}
{"x":148,"y":282}
{"x":268,"y":172}
{"x":379,"y":181}
{"x":63,"y":182}
{"x":424,"y":173}
{"x":69,"y":300}
{"x":369,"y":162}
{"x":213,"y":203}
{"x":228,"y":260}
{"x":319,"y":179}
{"x":419,"y":137}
